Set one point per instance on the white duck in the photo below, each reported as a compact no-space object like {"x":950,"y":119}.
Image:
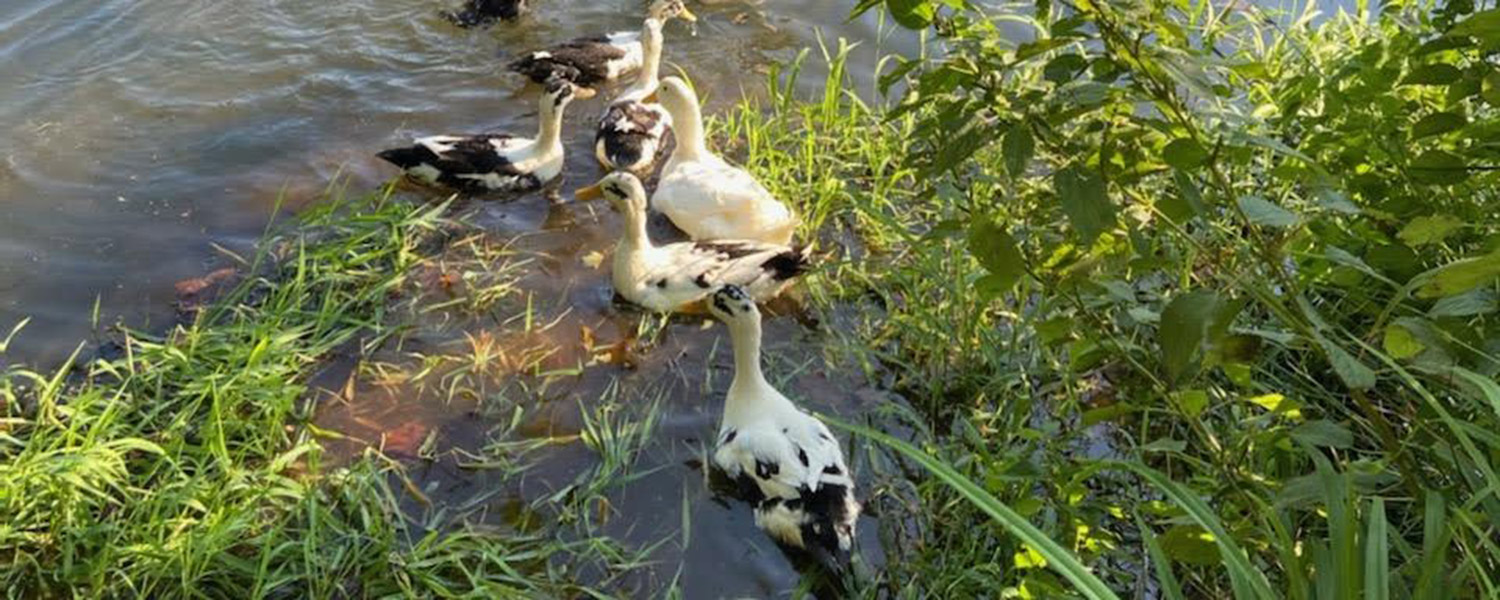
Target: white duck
{"x":492,"y":162}
{"x":631,"y":129}
{"x":705,"y":196}
{"x":675,"y":276}
{"x":785,"y":461}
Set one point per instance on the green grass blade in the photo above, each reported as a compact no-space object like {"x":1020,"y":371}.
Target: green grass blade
{"x":1235,"y":559}
{"x":1058,"y":558}
{"x":1377,"y":554}
{"x":1171,"y":588}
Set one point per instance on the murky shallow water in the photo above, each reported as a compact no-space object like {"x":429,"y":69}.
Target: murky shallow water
{"x":140,"y":134}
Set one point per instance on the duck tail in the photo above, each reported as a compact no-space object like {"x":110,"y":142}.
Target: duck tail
{"x":789,"y":264}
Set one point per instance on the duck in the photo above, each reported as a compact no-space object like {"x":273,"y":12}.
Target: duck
{"x":590,"y":62}
{"x":631,"y":129}
{"x":781,"y":459}
{"x":705,"y":196}
{"x":492,"y":162}
{"x":679,"y":276}
{"x":481,"y":13}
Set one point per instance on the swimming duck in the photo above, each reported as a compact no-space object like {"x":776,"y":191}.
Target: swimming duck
{"x":592,"y":61}
{"x":631,"y":129}
{"x":783,"y":460}
{"x":492,"y":162}
{"x":705,"y":196}
{"x":478,"y":13}
{"x":675,"y":276}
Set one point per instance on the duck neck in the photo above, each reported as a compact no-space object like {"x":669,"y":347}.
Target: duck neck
{"x":749,"y":379}
{"x":635,"y":237}
{"x":651,"y":42}
{"x":688,"y":128}
{"x":549,"y":134}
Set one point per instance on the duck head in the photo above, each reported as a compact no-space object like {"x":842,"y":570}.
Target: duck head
{"x":623,"y":190}
{"x":669,"y":9}
{"x":559,"y":92}
{"x":734,"y":307}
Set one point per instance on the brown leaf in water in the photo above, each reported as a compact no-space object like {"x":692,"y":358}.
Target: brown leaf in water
{"x":405,"y":438}
{"x":188,"y":288}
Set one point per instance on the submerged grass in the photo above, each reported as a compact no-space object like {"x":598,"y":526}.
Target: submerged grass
{"x":177,"y":466}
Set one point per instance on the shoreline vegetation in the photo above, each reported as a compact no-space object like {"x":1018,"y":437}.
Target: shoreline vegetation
{"x":1181,"y":300}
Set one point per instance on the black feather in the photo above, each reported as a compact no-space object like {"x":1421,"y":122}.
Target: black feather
{"x":787,"y":265}
{"x":477,"y":13}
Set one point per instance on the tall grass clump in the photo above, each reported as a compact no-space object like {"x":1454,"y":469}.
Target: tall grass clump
{"x":1205,"y":293}
{"x":175,"y":465}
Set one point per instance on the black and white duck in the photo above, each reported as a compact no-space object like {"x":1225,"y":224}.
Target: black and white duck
{"x":678,"y":276}
{"x":784,"y":461}
{"x":633,"y":127}
{"x":593,"y":61}
{"x":481,"y":13}
{"x":492,"y":162}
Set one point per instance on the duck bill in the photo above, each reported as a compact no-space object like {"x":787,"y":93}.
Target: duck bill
{"x":650,"y":98}
{"x":688,"y":15}
{"x":593,"y":192}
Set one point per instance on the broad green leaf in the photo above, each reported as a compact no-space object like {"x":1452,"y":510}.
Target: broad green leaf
{"x":1491,"y":89}
{"x":1439,"y":167}
{"x":912,"y":14}
{"x":1265,"y":213}
{"x":1085,"y":201}
{"x":1352,"y":372}
{"x":1058,"y":558}
{"x":1191,"y":402}
{"x":1190,"y":192}
{"x":1433,"y":74}
{"x":1191,"y":323}
{"x":1184,"y":153}
{"x":1191,"y":544}
{"x":1475,"y":302}
{"x":1459,"y":276}
{"x":1430,"y":229}
{"x":1484,"y":25}
{"x":996,"y":250}
{"x":1018,"y":148}
{"x":1437,"y":124}
{"x":1400,"y":343}
{"x":1324,"y":434}
{"x":1064,"y":67}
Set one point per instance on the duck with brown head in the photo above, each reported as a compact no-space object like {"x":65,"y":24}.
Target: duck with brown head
{"x":492,"y":162}
{"x":591,"y":62}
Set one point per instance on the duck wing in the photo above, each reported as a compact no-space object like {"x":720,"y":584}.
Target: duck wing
{"x":689,"y":271}
{"x":794,"y":472}
{"x":584,"y":61}
{"x":469,"y":162}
